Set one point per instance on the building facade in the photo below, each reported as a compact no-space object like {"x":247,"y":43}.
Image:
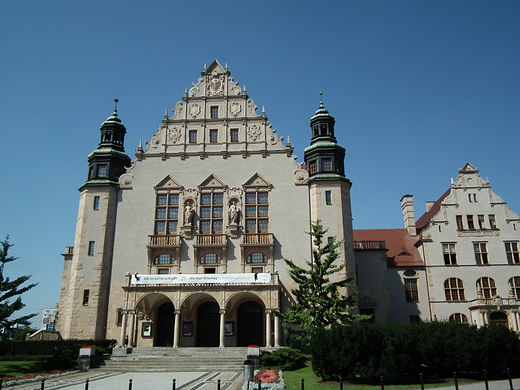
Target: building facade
{"x":184,"y":245}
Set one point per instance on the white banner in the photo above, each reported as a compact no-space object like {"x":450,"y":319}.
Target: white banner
{"x":251,"y":278}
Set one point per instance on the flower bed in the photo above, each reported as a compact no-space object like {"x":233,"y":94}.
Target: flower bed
{"x":270,"y":379}
{"x":34,"y":378}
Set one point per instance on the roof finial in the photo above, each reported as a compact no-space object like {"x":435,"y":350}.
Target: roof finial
{"x":321,"y":100}
{"x":165,"y":113}
{"x":115,"y":106}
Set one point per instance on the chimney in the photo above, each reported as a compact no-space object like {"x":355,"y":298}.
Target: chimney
{"x":408,"y":214}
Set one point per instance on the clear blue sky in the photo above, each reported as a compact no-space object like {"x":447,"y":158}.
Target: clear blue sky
{"x":417,"y":89}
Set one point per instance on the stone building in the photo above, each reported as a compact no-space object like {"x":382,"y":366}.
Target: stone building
{"x":184,"y":245}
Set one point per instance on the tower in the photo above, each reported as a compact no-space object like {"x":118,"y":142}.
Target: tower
{"x":329,"y":189}
{"x":85,"y":286}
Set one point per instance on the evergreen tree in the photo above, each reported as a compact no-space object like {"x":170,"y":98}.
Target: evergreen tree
{"x":320,"y":302}
{"x":11,"y":289}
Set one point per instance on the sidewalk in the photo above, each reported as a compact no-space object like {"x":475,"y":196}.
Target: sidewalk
{"x":492,"y":385}
{"x":140,"y":381}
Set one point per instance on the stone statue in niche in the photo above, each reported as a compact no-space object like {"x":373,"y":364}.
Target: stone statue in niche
{"x":233,"y":212}
{"x":188,"y":214}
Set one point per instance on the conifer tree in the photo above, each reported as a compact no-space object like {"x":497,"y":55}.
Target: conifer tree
{"x":320,"y":302}
{"x":11,"y":291}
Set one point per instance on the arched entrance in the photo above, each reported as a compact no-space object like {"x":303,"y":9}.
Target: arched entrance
{"x":165,"y":323}
{"x":250,"y":324}
{"x":208,"y":325}
{"x":499,"y":318}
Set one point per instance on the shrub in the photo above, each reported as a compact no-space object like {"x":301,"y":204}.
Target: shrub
{"x":286,"y":359}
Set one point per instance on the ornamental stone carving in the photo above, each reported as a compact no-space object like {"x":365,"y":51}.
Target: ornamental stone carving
{"x":194,"y":110}
{"x":235,"y":109}
{"x":251,"y":106}
{"x":215,"y":84}
{"x":174,"y":134}
{"x":254,"y":132}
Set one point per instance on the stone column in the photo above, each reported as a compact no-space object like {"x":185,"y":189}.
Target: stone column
{"x":268,"y":328}
{"x":222,"y":330}
{"x":176,"y":328}
{"x":277,"y":331}
{"x":132,"y":340}
{"x":123,"y":328}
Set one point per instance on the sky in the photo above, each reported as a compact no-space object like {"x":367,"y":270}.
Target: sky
{"x":418,"y":88}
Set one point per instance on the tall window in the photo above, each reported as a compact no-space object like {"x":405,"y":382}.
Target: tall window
{"x":95,"y":206}
{"x":481,"y":222}
{"x":460,"y":223}
{"x":450,"y":255}
{"x":214,"y":111}
{"x":91,"y":248}
{"x":514,"y":286}
{"x":328,"y":197}
{"x":256,"y":257}
{"x":454,"y":289}
{"x":166,"y":213}
{"x":487,"y":287}
{"x":459,"y":317}
{"x":210,"y":258}
{"x":164,"y":258}
{"x":513,"y":257}
{"x":211,"y":213}
{"x":326,"y":165}
{"x":193,"y":136}
{"x":481,"y":253}
{"x":492,"y":221}
{"x":257,"y":212}
{"x":312,"y":167}
{"x":411,"y":290}
{"x":213,"y":136}
{"x":86,"y":296}
{"x":471,"y":224}
{"x":102,"y":171}
{"x":233,"y":135}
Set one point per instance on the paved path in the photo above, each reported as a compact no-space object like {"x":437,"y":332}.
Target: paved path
{"x":140,"y":381}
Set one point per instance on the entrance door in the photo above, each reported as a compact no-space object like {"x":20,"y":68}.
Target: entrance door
{"x":250,"y":324}
{"x":208,"y":325}
{"x":499,"y":318}
{"x":165,"y":322}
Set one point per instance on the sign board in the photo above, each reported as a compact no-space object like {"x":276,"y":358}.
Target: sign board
{"x":172,"y":279}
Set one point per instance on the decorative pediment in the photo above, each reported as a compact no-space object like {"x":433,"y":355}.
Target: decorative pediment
{"x":212,"y":182}
{"x":257,"y":181}
{"x":168,"y":183}
{"x":468,"y":168}
{"x":215,"y":68}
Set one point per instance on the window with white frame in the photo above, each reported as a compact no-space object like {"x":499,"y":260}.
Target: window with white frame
{"x":449,"y":253}
{"x":454,"y":290}
{"x":166,"y":213}
{"x":257,"y":212}
{"x":486,"y":286}
{"x":211,"y":212}
{"x":513,"y":256}
{"x":481,"y":253}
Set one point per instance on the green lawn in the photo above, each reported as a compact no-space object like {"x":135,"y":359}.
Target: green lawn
{"x":11,"y":369}
{"x":293,"y":381}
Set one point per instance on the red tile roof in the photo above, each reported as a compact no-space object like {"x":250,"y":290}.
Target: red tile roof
{"x":400,"y":247}
{"x":423,"y":222}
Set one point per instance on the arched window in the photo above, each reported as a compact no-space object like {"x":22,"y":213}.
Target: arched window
{"x":454,"y":289}
{"x":514,"y":286}
{"x":487,"y":287}
{"x":210,"y":258}
{"x":459,"y":317}
{"x":256,"y":257}
{"x":164,"y":258}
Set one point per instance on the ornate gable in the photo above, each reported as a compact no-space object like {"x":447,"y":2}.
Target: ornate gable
{"x":168,"y":183}
{"x":212,"y":182}
{"x":469,"y":178}
{"x":257,"y":181}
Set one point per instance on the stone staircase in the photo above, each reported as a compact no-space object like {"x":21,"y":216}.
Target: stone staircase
{"x":166,"y":359}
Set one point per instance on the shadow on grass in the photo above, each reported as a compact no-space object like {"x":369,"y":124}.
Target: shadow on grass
{"x":10,"y":369}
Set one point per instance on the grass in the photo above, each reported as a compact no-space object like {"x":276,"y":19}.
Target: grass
{"x":10,"y":369}
{"x":293,"y":381}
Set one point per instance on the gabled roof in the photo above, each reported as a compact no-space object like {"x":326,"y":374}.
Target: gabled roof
{"x":423,"y":222}
{"x":400,"y":246}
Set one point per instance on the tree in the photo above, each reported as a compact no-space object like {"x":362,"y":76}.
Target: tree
{"x":11,"y":289}
{"x":320,"y":302}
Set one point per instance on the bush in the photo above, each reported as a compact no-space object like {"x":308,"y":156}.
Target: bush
{"x":286,"y":359}
{"x":366,"y":351}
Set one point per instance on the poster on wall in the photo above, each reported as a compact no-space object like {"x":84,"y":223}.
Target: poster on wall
{"x":228,"y":328}
{"x":187,"y":329}
{"x":147,"y":329}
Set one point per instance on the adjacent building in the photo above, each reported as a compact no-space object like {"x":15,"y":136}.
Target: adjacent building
{"x":184,"y":245}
